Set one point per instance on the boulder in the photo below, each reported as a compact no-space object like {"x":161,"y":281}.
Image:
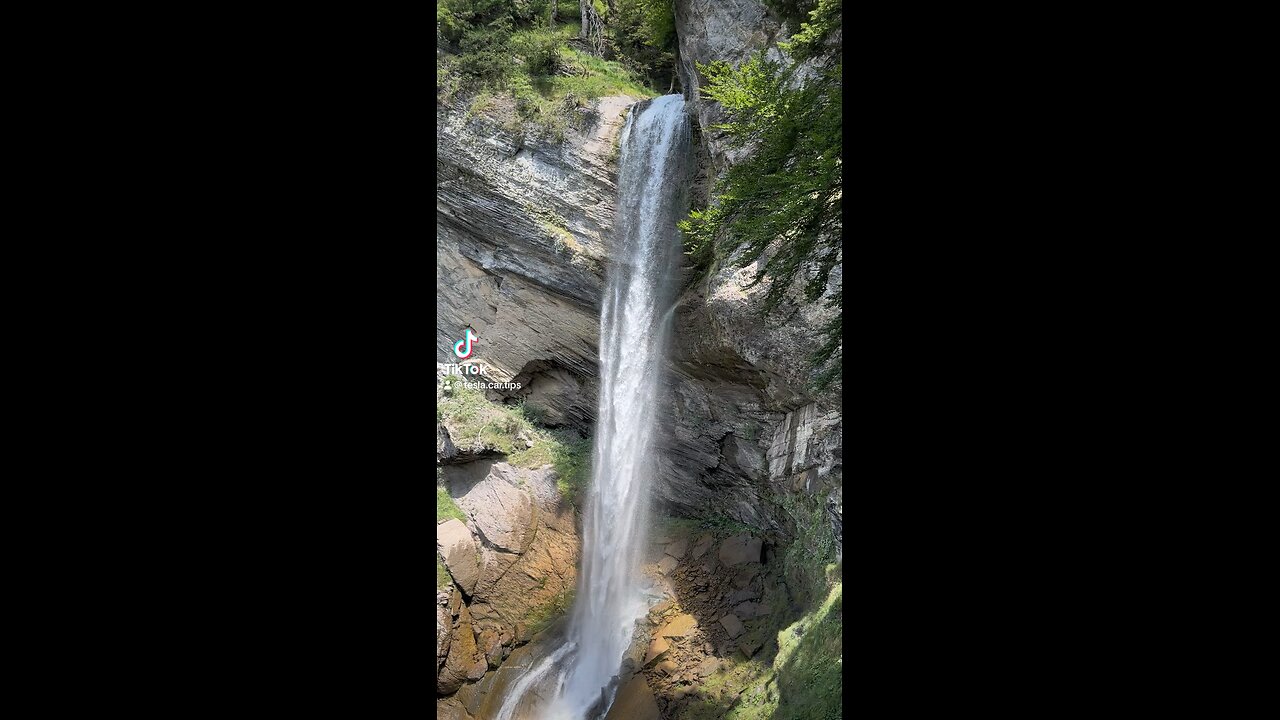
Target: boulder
{"x":465,"y":661}
{"x":460,"y":554}
{"x":445,"y":451}
{"x":657,"y":648}
{"x":444,"y":631}
{"x":678,"y":548}
{"x":745,"y":576}
{"x":667,"y":564}
{"x":707,"y":667}
{"x":749,"y":648}
{"x":634,"y":702}
{"x":503,"y":511}
{"x":740,"y":549}
{"x":490,"y":643}
{"x":680,"y":626}
{"x":703,"y":544}
{"x":732,"y":625}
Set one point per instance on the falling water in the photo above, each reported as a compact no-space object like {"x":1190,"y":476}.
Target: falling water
{"x":634,"y":333}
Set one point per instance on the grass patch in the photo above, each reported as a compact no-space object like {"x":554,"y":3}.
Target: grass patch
{"x":541,"y":617}
{"x":446,"y":508}
{"x":572,"y":460}
{"x":814,"y":546}
{"x":594,"y":77}
{"x":472,"y":420}
{"x":800,"y":682}
{"x":795,"y":675}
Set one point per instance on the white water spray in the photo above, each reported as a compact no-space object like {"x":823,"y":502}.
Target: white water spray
{"x":634,"y":335}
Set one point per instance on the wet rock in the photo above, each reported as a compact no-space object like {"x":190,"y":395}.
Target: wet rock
{"x":444,"y":632}
{"x":680,"y":626}
{"x":667,"y":564}
{"x":460,"y":554}
{"x":661,"y":607}
{"x":678,"y":548}
{"x":740,"y":549}
{"x":465,"y":660}
{"x":748,"y":610}
{"x":634,"y":702}
{"x":523,"y":633}
{"x":452,"y":709}
{"x":490,"y":643}
{"x":739,"y":596}
{"x":732,"y":625}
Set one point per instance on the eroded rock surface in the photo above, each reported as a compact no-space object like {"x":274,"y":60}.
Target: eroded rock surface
{"x":460,"y":553}
{"x":513,"y":558}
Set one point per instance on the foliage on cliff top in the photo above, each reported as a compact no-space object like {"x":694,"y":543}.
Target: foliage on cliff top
{"x":528,"y":54}
{"x":782,"y":203}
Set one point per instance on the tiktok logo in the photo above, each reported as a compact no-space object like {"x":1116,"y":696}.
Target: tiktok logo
{"x":467,"y":338}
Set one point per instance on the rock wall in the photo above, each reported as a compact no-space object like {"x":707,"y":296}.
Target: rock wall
{"x":742,"y":426}
{"x":515,"y":554}
{"x":523,"y":235}
{"x":522,"y":228}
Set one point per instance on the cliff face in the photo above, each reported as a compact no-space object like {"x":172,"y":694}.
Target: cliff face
{"x":522,"y":226}
{"x":523,"y":233}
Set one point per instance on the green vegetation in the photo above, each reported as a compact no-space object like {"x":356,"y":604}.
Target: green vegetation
{"x":507,"y":429}
{"x":813,"y":547}
{"x":803,"y":682}
{"x":800,"y":681}
{"x":446,"y":508}
{"x":541,"y":617}
{"x":796,"y":672}
{"x":523,"y":61}
{"x":783,"y":202}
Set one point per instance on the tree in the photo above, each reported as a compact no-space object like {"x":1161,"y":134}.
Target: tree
{"x":783,"y":201}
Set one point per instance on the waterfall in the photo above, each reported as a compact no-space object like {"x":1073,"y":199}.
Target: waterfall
{"x":634,"y":336}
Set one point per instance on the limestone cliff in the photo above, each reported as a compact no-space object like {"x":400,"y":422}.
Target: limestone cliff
{"x":523,"y":236}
